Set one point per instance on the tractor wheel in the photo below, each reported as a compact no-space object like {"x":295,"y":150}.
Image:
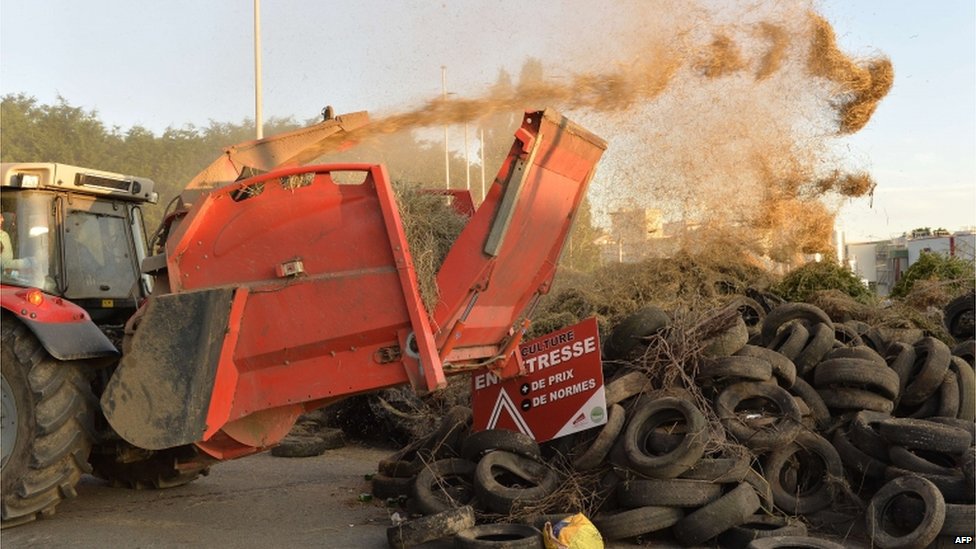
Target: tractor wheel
{"x":126,"y":466}
{"x":48,"y":413}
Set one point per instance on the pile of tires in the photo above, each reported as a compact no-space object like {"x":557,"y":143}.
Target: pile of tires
{"x":832,"y":416}
{"x":795,"y":430}
{"x":450,"y":473}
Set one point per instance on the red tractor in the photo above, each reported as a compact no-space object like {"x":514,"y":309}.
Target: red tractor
{"x":272,"y":289}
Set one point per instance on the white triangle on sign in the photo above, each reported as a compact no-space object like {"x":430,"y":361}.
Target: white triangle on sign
{"x":504,"y":402}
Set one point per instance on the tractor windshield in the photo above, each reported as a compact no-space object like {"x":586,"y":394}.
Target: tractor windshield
{"x":99,"y":257}
{"x":28,"y":250}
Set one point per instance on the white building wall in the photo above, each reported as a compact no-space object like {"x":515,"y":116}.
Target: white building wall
{"x":862,"y":259}
{"x":965,"y":245}
{"x":957,"y":245}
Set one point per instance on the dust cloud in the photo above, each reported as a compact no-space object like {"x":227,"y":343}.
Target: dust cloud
{"x":724,"y":119}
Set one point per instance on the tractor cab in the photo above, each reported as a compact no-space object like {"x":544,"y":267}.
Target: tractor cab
{"x":76,"y":233}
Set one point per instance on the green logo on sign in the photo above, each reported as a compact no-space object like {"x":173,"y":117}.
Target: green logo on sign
{"x":596,"y":414}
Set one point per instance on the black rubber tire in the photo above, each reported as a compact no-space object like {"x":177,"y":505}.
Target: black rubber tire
{"x":874,"y":339}
{"x":901,"y":359}
{"x":818,"y":409}
{"x":478,"y":444}
{"x":499,"y":536}
{"x":298,"y":446}
{"x":864,"y":434}
{"x":790,"y":342}
{"x":966,"y":351}
{"x":762,"y":488}
{"x":806,"y":416}
{"x":451,"y":432}
{"x":384,"y":487}
{"x":539,"y":481}
{"x":967,"y":426}
{"x":931,"y":364}
{"x":751,"y":312}
{"x":783,"y":368}
{"x":653,"y":414}
{"x":148,"y":469}
{"x":924,"y":411}
{"x":959,"y":518}
{"x":793,"y":542}
{"x":732,"y":368}
{"x":788,"y":312}
{"x":405,"y":462}
{"x":960,"y":316}
{"x":444,"y":484}
{"x":860,"y":352}
{"x":954,"y":488}
{"x":911,"y":460}
{"x":812,"y":498}
{"x":636,"y":522}
{"x":729,"y":342}
{"x":424,"y":529}
{"x":843,"y":524}
{"x":966,"y":380}
{"x":54,"y":411}
{"x":845,"y":399}
{"x":594,"y":455}
{"x":761,"y":526}
{"x":820,"y":342}
{"x":400,"y":468}
{"x":856,"y":460}
{"x":719,"y":470}
{"x":625,"y":386}
{"x":857,"y":373}
{"x":927,"y":529}
{"x":444,"y":441}
{"x":627,"y":336}
{"x":732,"y":509}
{"x":858,"y":326}
{"x":968,"y":465}
{"x":847,"y":335}
{"x":920,"y":434}
{"x":779,"y":433}
{"x":666,"y":493}
{"x":767,"y":300}
{"x":948,"y":396}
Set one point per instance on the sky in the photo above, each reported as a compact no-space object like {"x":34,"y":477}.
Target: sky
{"x":169,"y":64}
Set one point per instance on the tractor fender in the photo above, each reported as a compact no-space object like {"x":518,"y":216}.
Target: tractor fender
{"x":64,"y":329}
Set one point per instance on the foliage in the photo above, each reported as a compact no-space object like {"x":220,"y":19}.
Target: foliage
{"x":954,"y":273}
{"x":802,"y":283}
{"x":582,"y":252}
{"x":35,"y":132}
{"x":431,"y":226}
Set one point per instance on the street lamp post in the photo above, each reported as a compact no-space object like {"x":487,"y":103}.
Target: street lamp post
{"x":447,"y":157}
{"x":258,"y":122}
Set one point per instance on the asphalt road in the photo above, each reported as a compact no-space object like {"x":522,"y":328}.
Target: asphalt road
{"x":258,"y":501}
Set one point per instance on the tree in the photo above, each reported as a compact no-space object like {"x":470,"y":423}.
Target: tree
{"x":581,"y":252}
{"x":957,"y":274}
{"x":802,"y":283}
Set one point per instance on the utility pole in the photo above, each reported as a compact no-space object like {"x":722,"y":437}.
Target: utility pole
{"x":258,"y":122}
{"x":482,"y":164}
{"x":447,"y":156}
{"x":467,"y":160}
